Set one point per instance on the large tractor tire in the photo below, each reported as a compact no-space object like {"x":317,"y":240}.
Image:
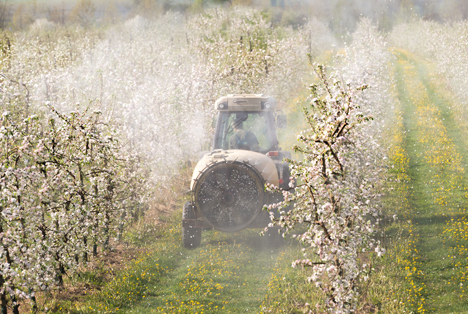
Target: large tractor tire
{"x":191,"y":236}
{"x":229,"y":195}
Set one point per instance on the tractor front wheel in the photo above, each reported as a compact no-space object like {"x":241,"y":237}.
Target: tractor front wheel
{"x":191,"y":236}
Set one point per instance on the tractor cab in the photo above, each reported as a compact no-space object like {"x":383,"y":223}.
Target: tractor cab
{"x":247,"y":122}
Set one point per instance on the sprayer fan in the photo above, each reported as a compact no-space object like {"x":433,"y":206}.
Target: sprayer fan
{"x":229,"y":195}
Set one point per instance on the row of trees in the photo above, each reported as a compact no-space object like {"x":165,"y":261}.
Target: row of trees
{"x":83,"y":12}
{"x":66,"y":189}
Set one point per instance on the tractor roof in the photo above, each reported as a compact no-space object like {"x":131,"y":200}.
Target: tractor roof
{"x":246,"y":102}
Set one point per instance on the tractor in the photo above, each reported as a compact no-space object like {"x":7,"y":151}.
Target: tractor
{"x":228,"y":183}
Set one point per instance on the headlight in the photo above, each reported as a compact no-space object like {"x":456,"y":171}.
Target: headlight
{"x":222,"y":106}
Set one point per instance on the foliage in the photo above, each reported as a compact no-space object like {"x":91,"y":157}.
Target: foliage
{"x":65,"y":189}
{"x":340,"y":178}
{"x":83,"y":12}
{"x":332,"y":197}
{"x":246,"y":54}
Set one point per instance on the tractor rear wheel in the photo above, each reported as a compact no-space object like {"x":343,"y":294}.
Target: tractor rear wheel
{"x":191,"y":236}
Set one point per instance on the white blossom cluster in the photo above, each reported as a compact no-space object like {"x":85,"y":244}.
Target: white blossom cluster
{"x":65,"y":189}
{"x":339,"y":177}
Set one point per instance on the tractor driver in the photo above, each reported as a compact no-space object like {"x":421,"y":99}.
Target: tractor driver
{"x":242,"y":139}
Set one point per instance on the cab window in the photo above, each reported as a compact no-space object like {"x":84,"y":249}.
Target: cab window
{"x":256,"y":122}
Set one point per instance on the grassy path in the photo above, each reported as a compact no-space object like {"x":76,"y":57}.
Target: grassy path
{"x":435,"y":192}
{"x":228,"y":273}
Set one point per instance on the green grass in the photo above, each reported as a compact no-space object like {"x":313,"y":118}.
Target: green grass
{"x":429,"y":200}
{"x":228,"y":273}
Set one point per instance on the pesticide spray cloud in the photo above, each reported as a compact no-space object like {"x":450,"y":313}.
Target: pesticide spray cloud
{"x":142,"y":77}
{"x":157,"y":80}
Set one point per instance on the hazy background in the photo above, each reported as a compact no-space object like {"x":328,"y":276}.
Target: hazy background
{"x":341,"y":16}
